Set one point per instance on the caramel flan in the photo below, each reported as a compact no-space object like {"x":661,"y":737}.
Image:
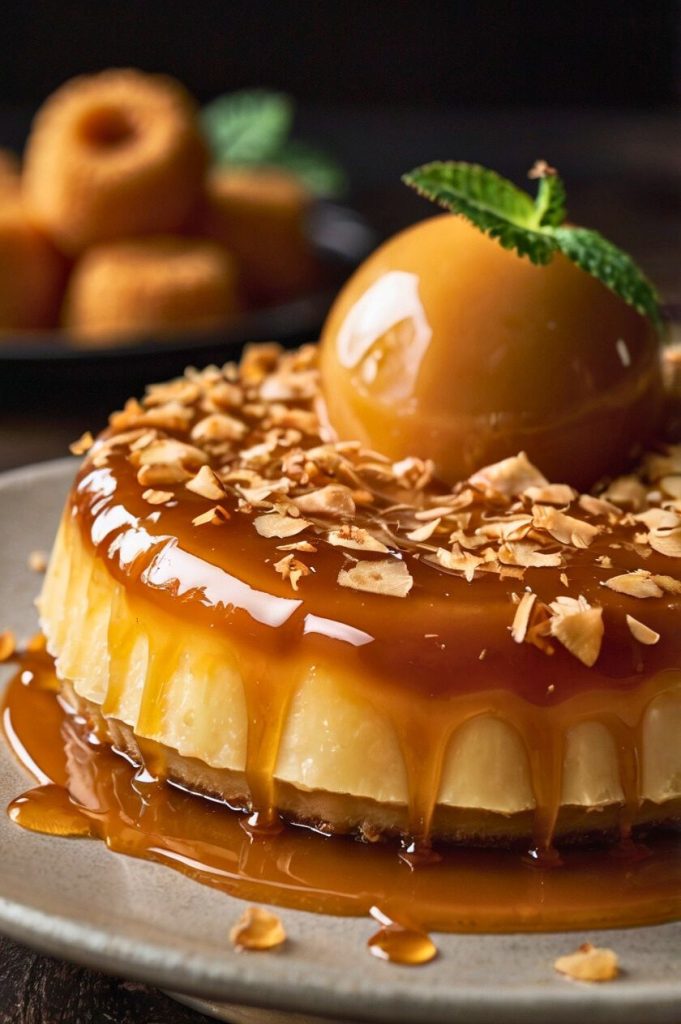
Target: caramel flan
{"x":301,"y":626}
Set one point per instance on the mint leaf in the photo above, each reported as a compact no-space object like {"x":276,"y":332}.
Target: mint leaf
{"x":534,"y":229}
{"x":600,"y":258}
{"x":247,"y":126}
{"x":489,"y":201}
{"x":322,"y":175}
{"x":549,"y":205}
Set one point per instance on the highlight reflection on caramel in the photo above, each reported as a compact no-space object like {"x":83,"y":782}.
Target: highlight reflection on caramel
{"x":89,"y":790}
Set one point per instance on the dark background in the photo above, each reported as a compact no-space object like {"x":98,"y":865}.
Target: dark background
{"x":615,"y":52}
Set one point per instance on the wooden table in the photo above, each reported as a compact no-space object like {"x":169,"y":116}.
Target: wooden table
{"x":622,"y":172}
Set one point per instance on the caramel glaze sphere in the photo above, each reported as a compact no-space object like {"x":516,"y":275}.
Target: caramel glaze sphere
{"x":111,"y":155}
{"x":32,"y":272}
{"x":136,"y":287}
{"x":446,"y":346}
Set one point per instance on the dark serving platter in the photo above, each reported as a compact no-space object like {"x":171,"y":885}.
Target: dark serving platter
{"x":46,"y":364}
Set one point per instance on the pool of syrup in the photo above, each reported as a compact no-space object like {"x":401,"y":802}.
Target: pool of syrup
{"x":86,"y":790}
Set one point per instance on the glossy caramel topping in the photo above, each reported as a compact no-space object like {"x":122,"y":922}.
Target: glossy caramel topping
{"x":87,"y":790}
{"x":447,"y":346}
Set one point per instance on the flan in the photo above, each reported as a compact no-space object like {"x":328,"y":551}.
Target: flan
{"x":269,"y":614}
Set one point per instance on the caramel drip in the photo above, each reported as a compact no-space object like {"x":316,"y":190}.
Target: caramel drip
{"x":268,"y":691}
{"x":402,"y":946}
{"x":87,"y":789}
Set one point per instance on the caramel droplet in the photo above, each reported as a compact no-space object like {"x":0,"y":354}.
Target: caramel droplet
{"x":49,"y":809}
{"x":402,"y":946}
{"x":257,"y":929}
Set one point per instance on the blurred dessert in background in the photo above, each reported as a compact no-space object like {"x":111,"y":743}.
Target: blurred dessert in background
{"x":123,"y":158}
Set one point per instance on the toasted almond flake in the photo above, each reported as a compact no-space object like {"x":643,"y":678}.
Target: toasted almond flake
{"x":388,"y":576}
{"x":425,"y":532}
{"x":639,"y":583}
{"x":162,"y":475}
{"x":257,"y":930}
{"x":332,"y":500}
{"x":355,"y":538}
{"x":626,"y":491}
{"x":521,"y":619}
{"x":83,"y":444}
{"x":552,"y":494}
{"x":666,"y":542}
{"x":563,"y":528}
{"x":37,"y":561}
{"x":168,"y":451}
{"x":589,"y":963}
{"x":214,"y":516}
{"x":299,"y":545}
{"x":509,"y":477}
{"x":671,"y":485}
{"x":459,"y":561}
{"x":425,"y":515}
{"x":564,"y":579}
{"x":291,"y":569}
{"x":658,"y":518}
{"x":413,"y":472}
{"x":597,"y":506}
{"x":206,"y":484}
{"x":141,"y":440}
{"x":8,"y":644}
{"x":157,"y":497}
{"x":668,"y":583}
{"x":658,"y":466}
{"x":520,"y":553}
{"x":578,"y":627}
{"x":274,"y":524}
{"x":644,"y":634}
{"x":218,"y":426}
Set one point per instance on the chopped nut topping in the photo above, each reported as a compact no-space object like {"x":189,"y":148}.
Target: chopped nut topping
{"x":644,"y":634}
{"x":292,"y":569}
{"x":521,"y":619}
{"x":83,"y":444}
{"x":509,"y":477}
{"x":218,"y":426}
{"x":157,"y":497}
{"x":578,"y":627}
{"x":173,"y":473}
{"x":206,"y":484}
{"x":257,"y":930}
{"x":552,"y":494}
{"x":521,"y":553}
{"x":388,"y":576}
{"x":638,"y":583}
{"x":274,"y":524}
{"x":37,"y":561}
{"x":215,"y":516}
{"x":563,"y":528}
{"x":332,"y":500}
{"x":589,"y":963}
{"x":459,"y":561}
{"x":355,"y":538}
{"x":8,"y":644}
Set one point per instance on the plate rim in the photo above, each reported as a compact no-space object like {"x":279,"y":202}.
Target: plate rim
{"x":234,"y":980}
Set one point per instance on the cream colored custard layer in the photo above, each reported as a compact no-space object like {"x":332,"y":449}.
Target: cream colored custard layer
{"x":176,"y":687}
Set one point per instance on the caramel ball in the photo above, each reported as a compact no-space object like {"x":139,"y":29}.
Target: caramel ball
{"x":145,"y":285}
{"x":111,"y":155}
{"x":446,"y":346}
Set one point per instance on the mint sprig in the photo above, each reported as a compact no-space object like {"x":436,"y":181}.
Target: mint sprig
{"x":252,"y":127}
{"x":534,"y":228}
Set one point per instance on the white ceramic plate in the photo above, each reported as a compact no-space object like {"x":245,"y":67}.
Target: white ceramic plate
{"x":74,"y":899}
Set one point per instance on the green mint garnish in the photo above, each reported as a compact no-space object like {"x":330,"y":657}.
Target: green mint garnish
{"x":534,"y":228}
{"x":253,"y":127}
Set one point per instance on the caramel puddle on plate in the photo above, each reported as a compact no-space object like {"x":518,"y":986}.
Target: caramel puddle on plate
{"x":85,"y":789}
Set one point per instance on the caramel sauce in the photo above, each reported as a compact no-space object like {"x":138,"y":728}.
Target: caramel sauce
{"x":86,"y":789}
{"x":416,"y":661}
